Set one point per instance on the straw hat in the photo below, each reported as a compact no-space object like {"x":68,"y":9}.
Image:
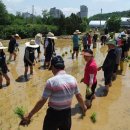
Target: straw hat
{"x":32,"y":44}
{"x":2,"y":47}
{"x":51,"y":35}
{"x":77,"y":32}
{"x":39,"y":35}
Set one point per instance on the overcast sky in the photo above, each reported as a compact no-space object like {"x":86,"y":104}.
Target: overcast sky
{"x":67,"y":6}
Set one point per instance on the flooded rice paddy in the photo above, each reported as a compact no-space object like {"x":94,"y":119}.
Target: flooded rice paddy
{"x":113,"y":111}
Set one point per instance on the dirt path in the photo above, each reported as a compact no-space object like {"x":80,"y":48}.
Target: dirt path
{"x":113,"y":111}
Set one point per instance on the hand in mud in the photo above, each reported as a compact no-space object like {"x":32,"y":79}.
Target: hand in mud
{"x":25,"y":121}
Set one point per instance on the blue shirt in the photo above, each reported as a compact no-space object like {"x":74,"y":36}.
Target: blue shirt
{"x":75,"y":40}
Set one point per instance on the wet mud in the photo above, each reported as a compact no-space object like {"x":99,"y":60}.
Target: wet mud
{"x":113,"y":111}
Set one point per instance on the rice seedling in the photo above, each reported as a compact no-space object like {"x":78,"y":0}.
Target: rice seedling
{"x":70,"y":50}
{"x":19,"y":111}
{"x":66,"y":52}
{"x":63,"y":54}
{"x":94,"y":117}
{"x":88,"y":91}
{"x":128,"y":57}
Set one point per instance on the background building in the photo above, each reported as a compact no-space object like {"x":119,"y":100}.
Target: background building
{"x":56,"y":13}
{"x":83,"y":11}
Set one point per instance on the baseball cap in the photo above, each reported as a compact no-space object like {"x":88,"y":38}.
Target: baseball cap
{"x":58,"y":62}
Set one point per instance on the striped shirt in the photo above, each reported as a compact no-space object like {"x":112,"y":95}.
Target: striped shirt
{"x":60,"y":90}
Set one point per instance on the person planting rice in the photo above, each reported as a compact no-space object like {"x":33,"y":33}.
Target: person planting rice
{"x":109,"y":64}
{"x":3,"y":66}
{"x":29,"y":56}
{"x":89,"y":76}
{"x":49,"y":49}
{"x":75,"y":39}
{"x":38,"y":40}
{"x":60,"y":94}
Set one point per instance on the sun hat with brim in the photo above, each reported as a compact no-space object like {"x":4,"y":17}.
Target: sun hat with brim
{"x":39,"y":35}
{"x":32,"y":44}
{"x":87,"y":52}
{"x":51,"y":35}
{"x":2,"y":47}
{"x":77,"y":32}
{"x":57,"y":62}
{"x":111,"y":42}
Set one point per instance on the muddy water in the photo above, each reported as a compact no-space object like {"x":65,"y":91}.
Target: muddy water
{"x":113,"y":111}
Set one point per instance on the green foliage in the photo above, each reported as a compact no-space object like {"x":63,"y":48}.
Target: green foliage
{"x":105,"y":16}
{"x":19,"y":111}
{"x":114,"y":24}
{"x":94,"y":117}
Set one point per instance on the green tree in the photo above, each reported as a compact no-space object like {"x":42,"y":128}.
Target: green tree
{"x":114,"y":24}
{"x":3,"y":14}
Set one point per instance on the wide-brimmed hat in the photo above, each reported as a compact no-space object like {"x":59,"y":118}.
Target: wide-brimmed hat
{"x":77,"y":32}
{"x":39,"y":35}
{"x":111,"y":42}
{"x":87,"y":52}
{"x":32,"y":44}
{"x":51,"y":35}
{"x":2,"y":47}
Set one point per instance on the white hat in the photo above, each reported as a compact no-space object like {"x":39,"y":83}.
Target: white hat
{"x":51,"y":35}
{"x":32,"y":44}
{"x":39,"y":35}
{"x":77,"y":32}
{"x":16,"y":35}
{"x":2,"y":47}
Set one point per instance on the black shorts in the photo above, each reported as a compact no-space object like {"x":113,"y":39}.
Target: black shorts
{"x":108,"y":76}
{"x":27,"y":63}
{"x":93,"y":91}
{"x":76,"y":49}
{"x":57,"y":119}
{"x":38,"y":50}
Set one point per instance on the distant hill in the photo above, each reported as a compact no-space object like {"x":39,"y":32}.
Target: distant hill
{"x":107,"y":15}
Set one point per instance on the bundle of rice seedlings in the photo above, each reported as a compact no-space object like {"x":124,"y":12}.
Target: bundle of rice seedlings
{"x":94,"y":117}
{"x":66,"y":52}
{"x":20,"y":112}
{"x":63,"y":54}
{"x":70,"y":50}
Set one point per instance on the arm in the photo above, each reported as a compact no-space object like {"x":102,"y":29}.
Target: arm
{"x":26,"y":120}
{"x":81,"y":102}
{"x":37,"y":107}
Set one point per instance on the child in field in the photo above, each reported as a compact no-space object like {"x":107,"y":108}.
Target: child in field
{"x":3,"y":66}
{"x":29,"y":56}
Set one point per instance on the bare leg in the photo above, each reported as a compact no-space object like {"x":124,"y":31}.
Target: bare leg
{"x":31,"y":70}
{"x":7,"y":79}
{"x":14,"y":55}
{"x":73,"y":54}
{"x":77,"y":52}
{"x":10,"y":56}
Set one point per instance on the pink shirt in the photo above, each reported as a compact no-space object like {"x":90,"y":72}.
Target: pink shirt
{"x":90,"y":68}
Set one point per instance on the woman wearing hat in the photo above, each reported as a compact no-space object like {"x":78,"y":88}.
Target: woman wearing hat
{"x":49,"y":49}
{"x":3,"y":66}
{"x":29,"y":56}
